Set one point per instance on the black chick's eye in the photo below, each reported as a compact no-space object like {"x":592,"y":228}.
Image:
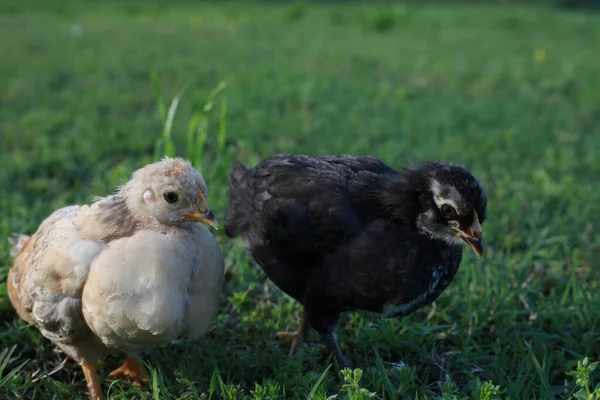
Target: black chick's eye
{"x":448,"y":211}
{"x":170,"y":197}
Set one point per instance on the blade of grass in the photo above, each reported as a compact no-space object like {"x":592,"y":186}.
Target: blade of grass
{"x":192,"y":135}
{"x":155,"y":389}
{"x":168,"y":128}
{"x":201,"y":139}
{"x":213,"y":385}
{"x":543,"y":378}
{"x":223,"y":387}
{"x":222,"y":139}
{"x":197,"y":129}
{"x":4,"y":360}
{"x":160,"y":102}
{"x":386,"y":380}
{"x":213,"y":95}
{"x":159,"y":148}
{"x":314,"y":389}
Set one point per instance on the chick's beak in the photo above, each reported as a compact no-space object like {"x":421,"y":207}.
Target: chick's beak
{"x":203,"y":214}
{"x":207,"y":218}
{"x":474,"y":236}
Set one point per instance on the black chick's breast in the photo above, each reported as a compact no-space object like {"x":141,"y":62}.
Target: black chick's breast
{"x":391,"y":270}
{"x":318,"y":231}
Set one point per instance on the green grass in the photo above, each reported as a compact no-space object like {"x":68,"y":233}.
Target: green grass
{"x":512,"y":91}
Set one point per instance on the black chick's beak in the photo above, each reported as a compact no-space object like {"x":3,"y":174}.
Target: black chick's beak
{"x":474,"y":236}
{"x":475,"y":244}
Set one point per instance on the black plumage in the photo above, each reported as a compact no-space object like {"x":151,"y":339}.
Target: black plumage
{"x":343,"y":232}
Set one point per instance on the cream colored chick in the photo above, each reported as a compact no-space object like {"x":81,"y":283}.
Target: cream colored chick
{"x":130,"y":271}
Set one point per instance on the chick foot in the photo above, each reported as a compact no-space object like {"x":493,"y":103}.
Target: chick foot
{"x":133,"y":369}
{"x":297,"y":337}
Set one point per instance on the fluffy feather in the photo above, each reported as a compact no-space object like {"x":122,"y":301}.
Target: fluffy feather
{"x":343,"y":232}
{"x":128,"y":272}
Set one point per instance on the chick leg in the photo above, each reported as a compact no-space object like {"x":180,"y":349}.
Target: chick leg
{"x":330,"y":340}
{"x":299,"y":336}
{"x":133,"y":369}
{"x":93,"y":383}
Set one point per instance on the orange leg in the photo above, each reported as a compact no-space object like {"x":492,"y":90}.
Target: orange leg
{"x":133,"y":369}
{"x":93,"y":383}
{"x":297,"y":337}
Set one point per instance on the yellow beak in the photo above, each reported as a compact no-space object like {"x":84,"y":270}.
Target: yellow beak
{"x":203,"y":214}
{"x":207,"y":218}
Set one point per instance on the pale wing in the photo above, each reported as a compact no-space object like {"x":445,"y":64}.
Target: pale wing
{"x":48,"y":275}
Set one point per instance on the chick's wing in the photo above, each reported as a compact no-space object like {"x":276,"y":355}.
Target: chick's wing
{"x":309,"y":205}
{"x":47,"y":277}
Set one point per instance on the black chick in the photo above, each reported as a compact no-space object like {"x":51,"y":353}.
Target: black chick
{"x":343,"y":232}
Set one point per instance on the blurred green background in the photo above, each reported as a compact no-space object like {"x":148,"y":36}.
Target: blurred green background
{"x":511,"y":89}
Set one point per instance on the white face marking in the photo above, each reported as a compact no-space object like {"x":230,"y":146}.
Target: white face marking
{"x":450,"y":239}
{"x":422,"y":225}
{"x":453,"y":198}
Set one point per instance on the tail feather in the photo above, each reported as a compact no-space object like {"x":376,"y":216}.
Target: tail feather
{"x":235,"y":221}
{"x":17,"y":241}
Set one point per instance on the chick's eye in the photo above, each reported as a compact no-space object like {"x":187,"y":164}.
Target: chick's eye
{"x":448,"y":211}
{"x":170,"y":197}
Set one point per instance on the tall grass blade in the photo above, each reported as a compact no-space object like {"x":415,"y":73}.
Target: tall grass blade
{"x":155,"y":388}
{"x":216,"y":91}
{"x":160,"y":102}
{"x":222,"y":139}
{"x":201,"y":139}
{"x":388,"y":384}
{"x":543,"y":377}
{"x":167,"y":137}
{"x":192,"y":136}
{"x":314,"y":389}
{"x":197,"y":126}
{"x":213,"y":385}
{"x":4,"y":360}
{"x":159,"y":148}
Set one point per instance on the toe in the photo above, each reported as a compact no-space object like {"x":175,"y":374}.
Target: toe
{"x":286,"y":335}
{"x":117,"y":372}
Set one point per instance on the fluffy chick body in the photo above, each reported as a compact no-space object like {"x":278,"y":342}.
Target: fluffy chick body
{"x":106,"y":277}
{"x":341,"y":233}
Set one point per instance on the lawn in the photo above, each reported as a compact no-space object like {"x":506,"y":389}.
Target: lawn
{"x":512,"y":91}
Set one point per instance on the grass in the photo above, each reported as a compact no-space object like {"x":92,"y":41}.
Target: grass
{"x":509,"y":90}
